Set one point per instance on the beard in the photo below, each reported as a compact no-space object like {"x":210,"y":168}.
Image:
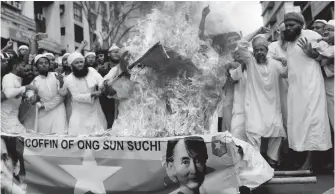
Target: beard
{"x":292,"y":36}
{"x":116,"y":61}
{"x":80,"y":73}
{"x":43,"y":72}
{"x":67,"y":68}
{"x":260,"y":58}
{"x":28,"y":79}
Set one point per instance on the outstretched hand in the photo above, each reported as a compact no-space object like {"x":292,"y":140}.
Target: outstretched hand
{"x":306,"y":47}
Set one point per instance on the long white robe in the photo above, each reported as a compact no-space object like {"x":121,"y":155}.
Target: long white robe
{"x":308,"y":124}
{"x":262,"y":99}
{"x":275,"y":50}
{"x":52,"y":118}
{"x":238,"y":120}
{"x":11,"y":85}
{"x":87,"y":116}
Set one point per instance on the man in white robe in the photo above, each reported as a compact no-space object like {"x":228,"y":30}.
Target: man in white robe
{"x":308,"y":124}
{"x":13,"y":90}
{"x":83,"y":84}
{"x":51,"y":109}
{"x":262,"y":99}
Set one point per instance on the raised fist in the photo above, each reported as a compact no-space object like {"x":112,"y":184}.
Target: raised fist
{"x":206,"y":11}
{"x":10,"y":43}
{"x":84,"y":42}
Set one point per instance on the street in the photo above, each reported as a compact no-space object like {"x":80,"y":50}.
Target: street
{"x":324,"y":183}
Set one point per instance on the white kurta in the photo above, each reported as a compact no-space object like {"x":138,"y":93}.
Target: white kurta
{"x":238,"y":121}
{"x":13,"y":90}
{"x":275,"y":50}
{"x":262,"y":99}
{"x":87,"y":116}
{"x":308,"y":124}
{"x":52,"y":118}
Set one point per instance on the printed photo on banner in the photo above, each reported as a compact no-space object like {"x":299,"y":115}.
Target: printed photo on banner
{"x":186,"y":163}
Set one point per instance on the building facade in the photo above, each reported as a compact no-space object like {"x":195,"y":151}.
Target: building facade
{"x":273,"y":13}
{"x":22,"y":20}
{"x":67,"y":23}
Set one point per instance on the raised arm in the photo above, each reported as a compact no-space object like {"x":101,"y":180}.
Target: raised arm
{"x":261,"y":30}
{"x":83,"y":44}
{"x":205,"y":12}
{"x":9,"y":45}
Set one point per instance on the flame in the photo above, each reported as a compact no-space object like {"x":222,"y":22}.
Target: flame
{"x":192,"y":103}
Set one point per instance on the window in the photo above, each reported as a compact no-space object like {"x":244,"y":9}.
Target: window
{"x":61,"y":9}
{"x":78,"y":33}
{"x":92,"y":20}
{"x":62,"y":31}
{"x":77,"y":13}
{"x":103,"y":10}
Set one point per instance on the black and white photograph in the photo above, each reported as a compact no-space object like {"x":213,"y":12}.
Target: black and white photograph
{"x":241,"y":91}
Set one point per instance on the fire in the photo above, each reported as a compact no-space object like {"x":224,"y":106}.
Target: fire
{"x":184,"y":106}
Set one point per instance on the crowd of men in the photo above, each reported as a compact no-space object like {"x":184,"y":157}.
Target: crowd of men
{"x":51,"y":98}
{"x":283,"y":90}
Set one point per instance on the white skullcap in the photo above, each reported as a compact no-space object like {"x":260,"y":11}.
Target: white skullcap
{"x":90,"y":53}
{"x":114,"y":47}
{"x":321,"y":21}
{"x":23,"y":47}
{"x":39,"y":56}
{"x":73,"y":56}
{"x":331,"y":22}
{"x":49,"y":54}
{"x":66,"y":54}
